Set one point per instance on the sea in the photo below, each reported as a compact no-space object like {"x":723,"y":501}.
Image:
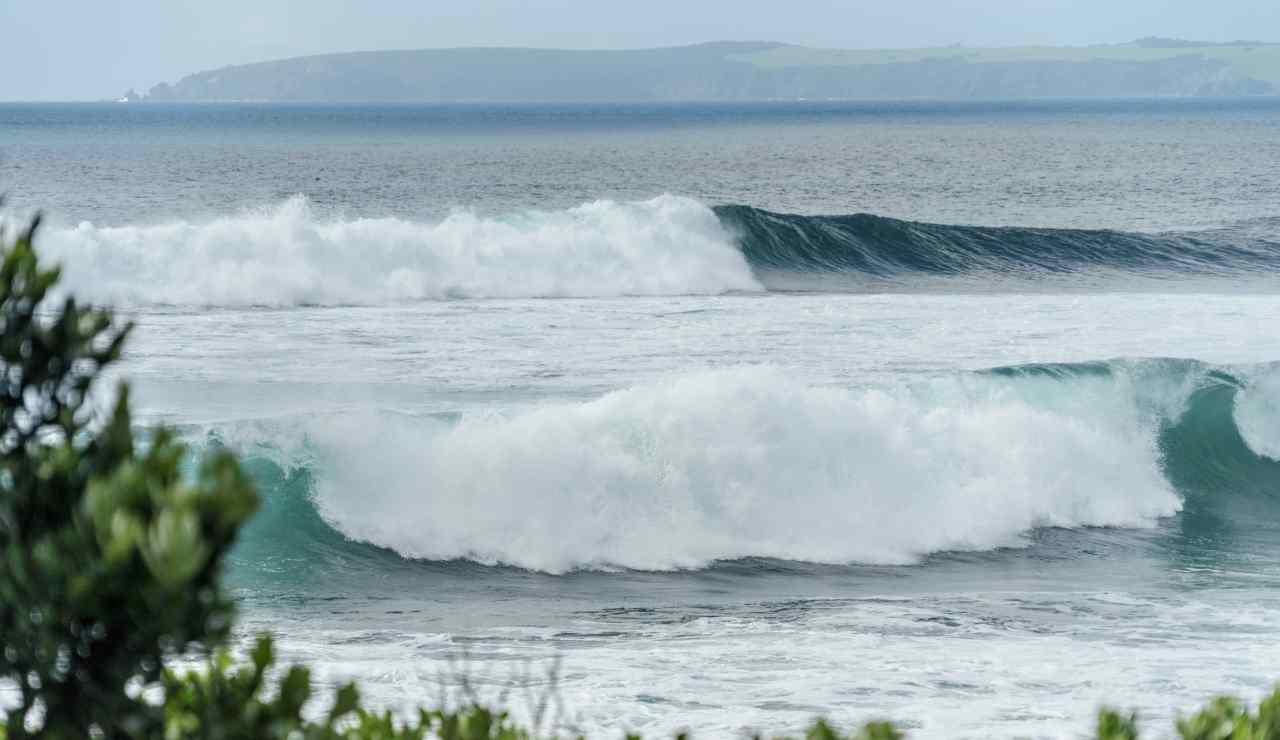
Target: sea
{"x":718,"y":417}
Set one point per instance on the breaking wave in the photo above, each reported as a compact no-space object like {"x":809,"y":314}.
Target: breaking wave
{"x":747,"y":462}
{"x":884,"y":247}
{"x":290,"y":255}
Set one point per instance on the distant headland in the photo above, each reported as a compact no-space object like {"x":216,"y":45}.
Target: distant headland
{"x":741,"y":71}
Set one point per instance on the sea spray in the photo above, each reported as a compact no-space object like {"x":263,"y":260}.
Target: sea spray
{"x":290,"y":255}
{"x":1257,"y":411}
{"x":748,"y":462}
{"x":669,"y":245}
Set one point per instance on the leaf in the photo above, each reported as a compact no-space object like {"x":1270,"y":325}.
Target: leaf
{"x":346,"y":700}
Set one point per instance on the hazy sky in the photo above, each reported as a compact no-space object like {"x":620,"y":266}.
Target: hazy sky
{"x":89,"y":49}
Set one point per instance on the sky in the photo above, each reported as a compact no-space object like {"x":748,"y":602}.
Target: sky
{"x":95,"y":49}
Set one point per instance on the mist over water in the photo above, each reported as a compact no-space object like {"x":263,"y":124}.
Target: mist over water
{"x":745,"y":413}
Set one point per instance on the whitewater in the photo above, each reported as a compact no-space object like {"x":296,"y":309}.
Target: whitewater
{"x":287,"y":254}
{"x":715,"y":417}
{"x":739,"y":463}
{"x":437,"y":494}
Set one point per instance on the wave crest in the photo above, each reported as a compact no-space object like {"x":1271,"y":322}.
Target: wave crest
{"x":880,"y":247}
{"x":750,"y":463}
{"x":668,"y":245}
{"x":290,"y":256}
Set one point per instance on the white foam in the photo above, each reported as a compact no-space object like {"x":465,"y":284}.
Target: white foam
{"x":1257,"y":411}
{"x":746,"y":462}
{"x":288,"y":255}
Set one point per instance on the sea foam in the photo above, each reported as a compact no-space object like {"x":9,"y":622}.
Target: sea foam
{"x":289,"y":255}
{"x":746,"y":462}
{"x":1257,"y":412}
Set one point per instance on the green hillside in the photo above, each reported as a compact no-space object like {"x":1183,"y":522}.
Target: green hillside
{"x":745,"y":71}
{"x":1256,"y":60}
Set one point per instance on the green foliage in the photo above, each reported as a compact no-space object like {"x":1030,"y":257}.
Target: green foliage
{"x":1115,"y":726}
{"x":220,"y":701}
{"x":111,"y":559}
{"x":820,"y":730}
{"x":1227,"y":719}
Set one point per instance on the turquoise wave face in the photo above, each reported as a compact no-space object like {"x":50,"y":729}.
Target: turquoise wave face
{"x":1152,"y":448}
{"x":887,"y":247}
{"x":1203,"y":451}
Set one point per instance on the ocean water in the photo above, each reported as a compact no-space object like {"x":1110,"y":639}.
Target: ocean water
{"x":716,"y":416}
